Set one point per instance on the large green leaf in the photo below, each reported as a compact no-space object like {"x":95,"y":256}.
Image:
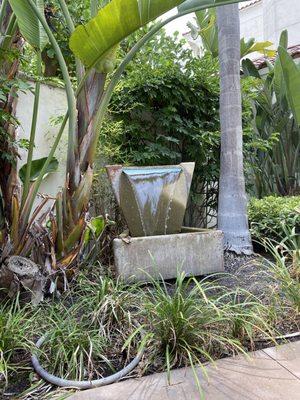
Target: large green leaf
{"x":279,"y":82}
{"x":113,"y":23}
{"x":36,"y":168}
{"x":291,"y":75}
{"x":28,"y":23}
{"x":207,"y":22}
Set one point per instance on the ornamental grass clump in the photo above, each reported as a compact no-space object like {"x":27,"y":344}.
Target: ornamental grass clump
{"x":194,"y":322}
{"x":109,"y":302}
{"x":73,"y":347}
{"x":284,"y":269}
{"x":249,"y":317}
{"x":15,"y":324}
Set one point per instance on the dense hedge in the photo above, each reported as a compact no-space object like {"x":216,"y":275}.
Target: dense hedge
{"x":267,"y":216}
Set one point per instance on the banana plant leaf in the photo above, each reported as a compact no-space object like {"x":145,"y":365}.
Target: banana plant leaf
{"x":114,"y":22}
{"x":279,"y":82}
{"x":291,"y":75}
{"x":36,"y":168}
{"x":28,"y":23}
{"x":207,"y":21}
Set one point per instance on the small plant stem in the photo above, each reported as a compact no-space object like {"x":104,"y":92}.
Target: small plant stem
{"x":33,"y":129}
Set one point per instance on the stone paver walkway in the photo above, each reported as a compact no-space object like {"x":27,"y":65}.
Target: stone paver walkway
{"x":271,"y":374}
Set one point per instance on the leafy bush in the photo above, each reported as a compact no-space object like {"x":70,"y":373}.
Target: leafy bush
{"x":275,"y":167}
{"x":271,"y":215}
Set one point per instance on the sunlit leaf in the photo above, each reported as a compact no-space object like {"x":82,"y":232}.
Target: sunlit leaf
{"x":114,"y":22}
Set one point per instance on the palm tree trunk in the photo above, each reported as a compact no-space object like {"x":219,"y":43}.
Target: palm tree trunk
{"x":232,"y":212}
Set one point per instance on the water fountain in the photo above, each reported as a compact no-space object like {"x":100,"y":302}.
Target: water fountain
{"x":153,"y":201}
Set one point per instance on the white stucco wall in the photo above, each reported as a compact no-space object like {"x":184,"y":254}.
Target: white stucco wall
{"x":279,"y":15}
{"x":251,"y":21}
{"x":179,"y":24}
{"x":53,"y":104}
{"x":266,"y":20}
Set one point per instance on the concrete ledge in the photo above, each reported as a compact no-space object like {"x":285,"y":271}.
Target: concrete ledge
{"x":197,"y":252}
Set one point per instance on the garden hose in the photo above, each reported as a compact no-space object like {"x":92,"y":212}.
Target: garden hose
{"x":81,"y":384}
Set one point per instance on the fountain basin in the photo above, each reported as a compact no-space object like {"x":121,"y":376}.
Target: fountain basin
{"x":193,"y":251}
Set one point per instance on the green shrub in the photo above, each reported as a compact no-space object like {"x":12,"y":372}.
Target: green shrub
{"x":270,"y":216}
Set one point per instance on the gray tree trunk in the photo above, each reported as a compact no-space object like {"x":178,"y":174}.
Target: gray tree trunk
{"x":232,"y":211}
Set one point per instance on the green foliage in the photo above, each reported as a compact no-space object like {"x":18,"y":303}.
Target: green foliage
{"x":80,"y":13}
{"x":285,"y":269}
{"x":250,"y":46}
{"x":270,"y":216}
{"x":186,"y":323}
{"x":87,"y":331}
{"x":29,"y":24}
{"x":193,"y":320}
{"x":291,"y":76}
{"x":118,"y":21}
{"x":276,"y":165}
{"x":72,"y":344}
{"x":36,"y":168}
{"x":206,"y":28}
{"x":94,"y":228}
{"x":14,"y":325}
{"x":9,"y":87}
{"x":165,"y":111}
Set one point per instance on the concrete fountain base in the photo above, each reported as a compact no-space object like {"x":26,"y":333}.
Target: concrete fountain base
{"x":193,"y":251}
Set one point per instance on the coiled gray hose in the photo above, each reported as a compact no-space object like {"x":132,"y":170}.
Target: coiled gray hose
{"x":81,"y":384}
